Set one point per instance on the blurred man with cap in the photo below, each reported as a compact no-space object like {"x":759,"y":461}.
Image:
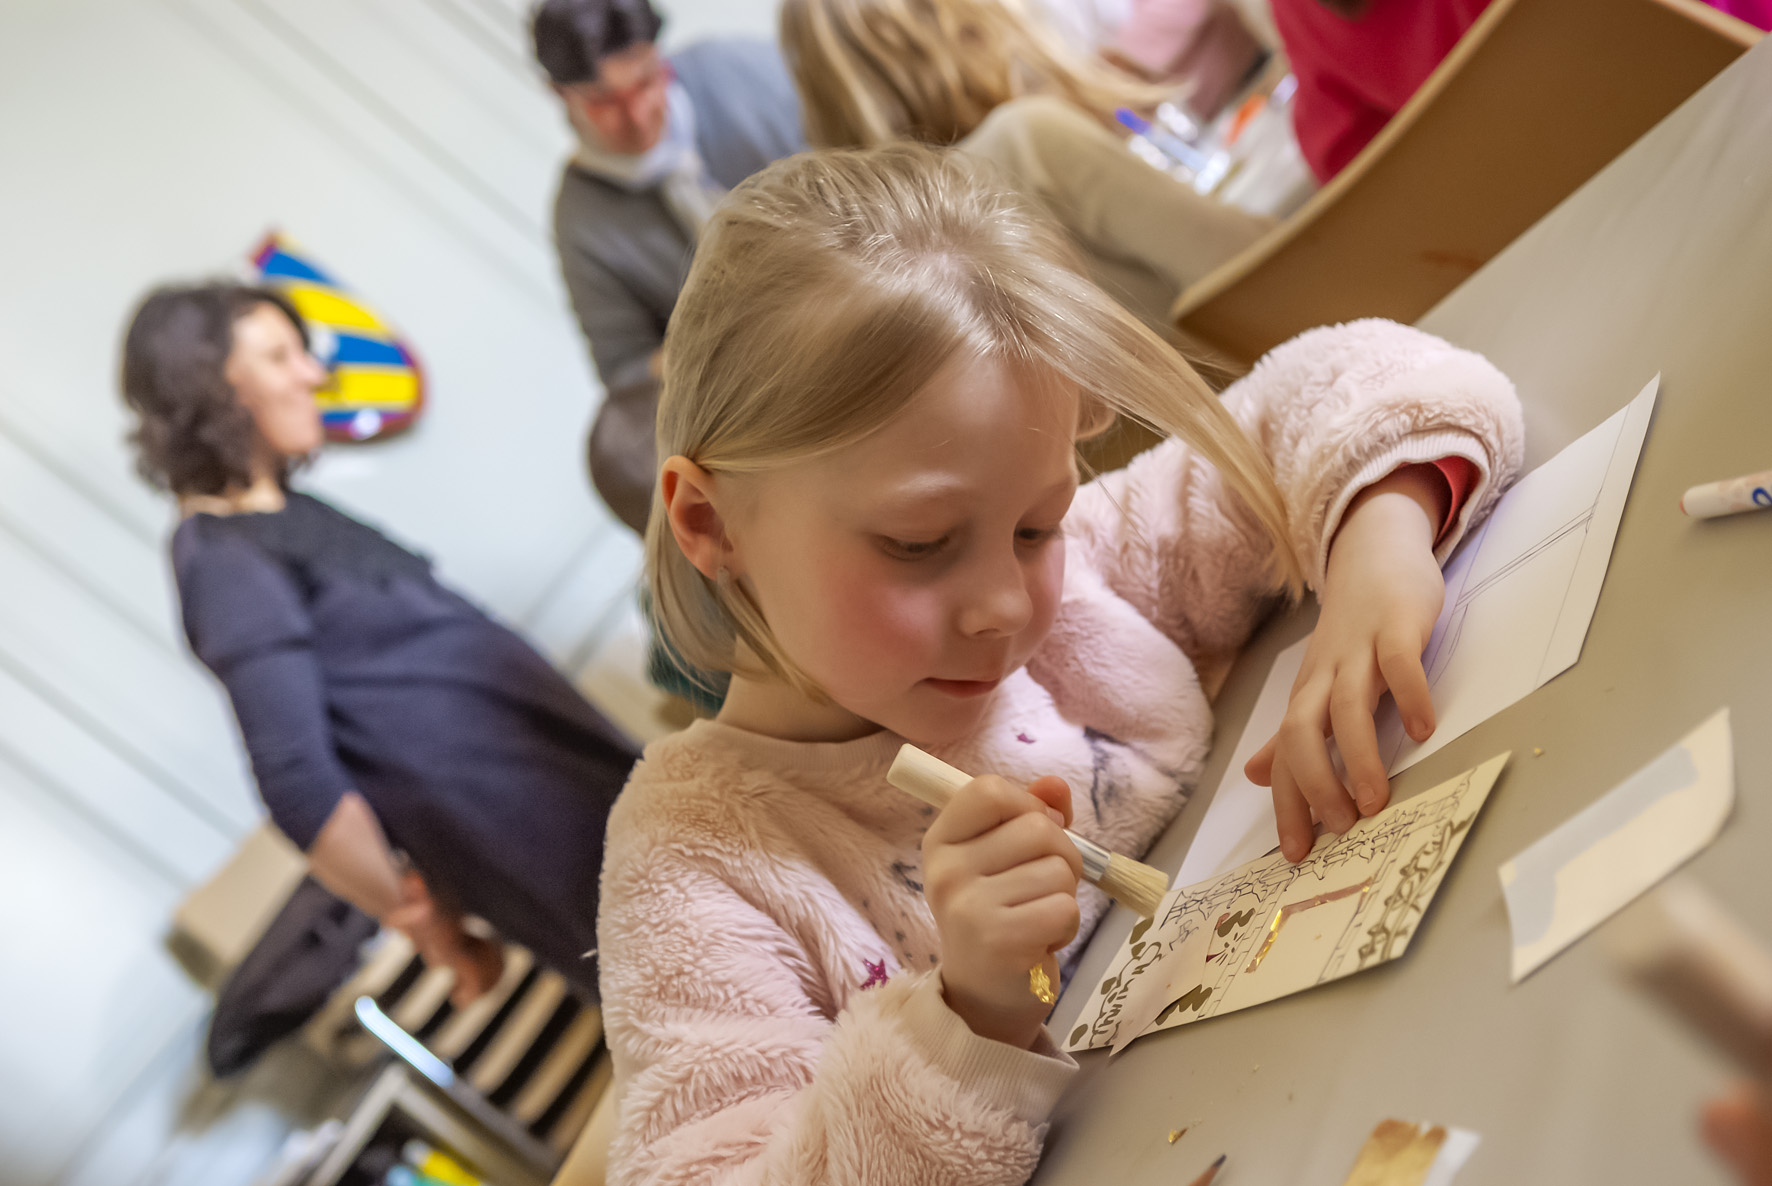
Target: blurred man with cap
{"x":660,"y":140}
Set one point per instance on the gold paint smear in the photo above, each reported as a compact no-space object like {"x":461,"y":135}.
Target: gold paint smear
{"x":1287,"y":911}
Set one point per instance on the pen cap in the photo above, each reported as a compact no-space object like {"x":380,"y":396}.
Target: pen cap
{"x":1729,"y":497}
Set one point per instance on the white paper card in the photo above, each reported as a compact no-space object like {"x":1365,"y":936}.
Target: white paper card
{"x":1598,"y":862}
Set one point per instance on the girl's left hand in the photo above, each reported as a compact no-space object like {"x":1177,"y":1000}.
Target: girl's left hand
{"x":1380,"y":599}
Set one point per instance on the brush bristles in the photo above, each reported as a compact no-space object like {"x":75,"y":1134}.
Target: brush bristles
{"x":1134,"y":885}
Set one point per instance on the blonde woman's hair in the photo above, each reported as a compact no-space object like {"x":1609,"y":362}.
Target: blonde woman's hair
{"x":873,"y":71}
{"x":828,"y":290}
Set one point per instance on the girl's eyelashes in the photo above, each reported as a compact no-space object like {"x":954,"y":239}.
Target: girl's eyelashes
{"x":904,"y":549}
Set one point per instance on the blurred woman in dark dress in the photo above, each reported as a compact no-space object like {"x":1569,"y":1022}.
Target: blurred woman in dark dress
{"x":429,"y":761}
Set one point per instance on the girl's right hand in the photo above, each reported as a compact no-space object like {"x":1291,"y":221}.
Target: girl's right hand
{"x":1001,"y":879}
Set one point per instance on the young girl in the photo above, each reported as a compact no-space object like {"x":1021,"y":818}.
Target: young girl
{"x":869,"y":514}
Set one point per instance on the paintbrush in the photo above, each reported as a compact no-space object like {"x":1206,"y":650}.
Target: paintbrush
{"x":1138,"y":886}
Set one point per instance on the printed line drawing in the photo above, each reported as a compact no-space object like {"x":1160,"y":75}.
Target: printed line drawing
{"x":1521,"y":592}
{"x":1365,"y":892}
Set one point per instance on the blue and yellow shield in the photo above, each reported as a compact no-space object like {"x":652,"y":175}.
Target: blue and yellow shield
{"x":377,"y":388}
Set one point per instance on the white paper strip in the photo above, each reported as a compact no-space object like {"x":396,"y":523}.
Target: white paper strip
{"x":1581,"y":874}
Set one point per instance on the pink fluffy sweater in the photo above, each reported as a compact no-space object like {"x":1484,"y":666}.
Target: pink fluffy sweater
{"x":770,"y":975}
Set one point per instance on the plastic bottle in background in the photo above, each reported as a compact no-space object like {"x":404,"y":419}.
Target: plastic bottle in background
{"x":1176,"y":118}
{"x":1269,"y":174}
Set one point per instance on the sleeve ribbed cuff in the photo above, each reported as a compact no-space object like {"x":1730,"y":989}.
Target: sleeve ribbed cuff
{"x":1025,"y":1082}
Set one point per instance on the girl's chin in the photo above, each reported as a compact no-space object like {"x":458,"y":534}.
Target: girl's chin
{"x":939,"y":718}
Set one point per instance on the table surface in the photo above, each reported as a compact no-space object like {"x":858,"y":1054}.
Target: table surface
{"x":1663,"y":262}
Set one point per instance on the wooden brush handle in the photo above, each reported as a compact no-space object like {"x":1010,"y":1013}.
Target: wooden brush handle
{"x":925,"y":776}
{"x":934,"y":781}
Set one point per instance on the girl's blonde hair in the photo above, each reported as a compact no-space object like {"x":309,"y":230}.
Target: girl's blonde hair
{"x":828,"y":290}
{"x":873,"y":71}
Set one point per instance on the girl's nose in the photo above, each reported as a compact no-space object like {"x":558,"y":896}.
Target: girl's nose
{"x":998,"y":604}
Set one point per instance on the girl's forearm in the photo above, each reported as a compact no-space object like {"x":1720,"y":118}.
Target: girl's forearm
{"x":1422,"y":484}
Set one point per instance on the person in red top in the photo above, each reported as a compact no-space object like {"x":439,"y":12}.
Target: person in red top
{"x":1358,"y":61}
{"x":1757,"y":13}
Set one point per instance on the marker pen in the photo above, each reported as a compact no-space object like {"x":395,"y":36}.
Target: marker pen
{"x":1207,"y":169}
{"x":1750,"y":493}
{"x":1173,"y":146}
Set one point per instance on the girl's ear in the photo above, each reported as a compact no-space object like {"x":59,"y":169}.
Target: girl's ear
{"x":695,"y":521}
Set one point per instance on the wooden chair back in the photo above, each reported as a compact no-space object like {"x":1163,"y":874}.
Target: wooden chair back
{"x":1537,"y":97}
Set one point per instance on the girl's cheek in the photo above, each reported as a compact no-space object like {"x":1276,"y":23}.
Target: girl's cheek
{"x":879,"y":616}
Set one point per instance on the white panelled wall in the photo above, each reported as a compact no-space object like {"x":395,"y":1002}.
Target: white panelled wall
{"x":411,"y":148}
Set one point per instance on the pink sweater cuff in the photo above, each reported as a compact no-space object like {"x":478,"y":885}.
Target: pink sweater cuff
{"x":1457,"y":455}
{"x":1024,"y":1082}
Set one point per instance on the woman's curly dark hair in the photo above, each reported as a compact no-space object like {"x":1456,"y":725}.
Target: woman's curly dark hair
{"x":192,"y":436}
